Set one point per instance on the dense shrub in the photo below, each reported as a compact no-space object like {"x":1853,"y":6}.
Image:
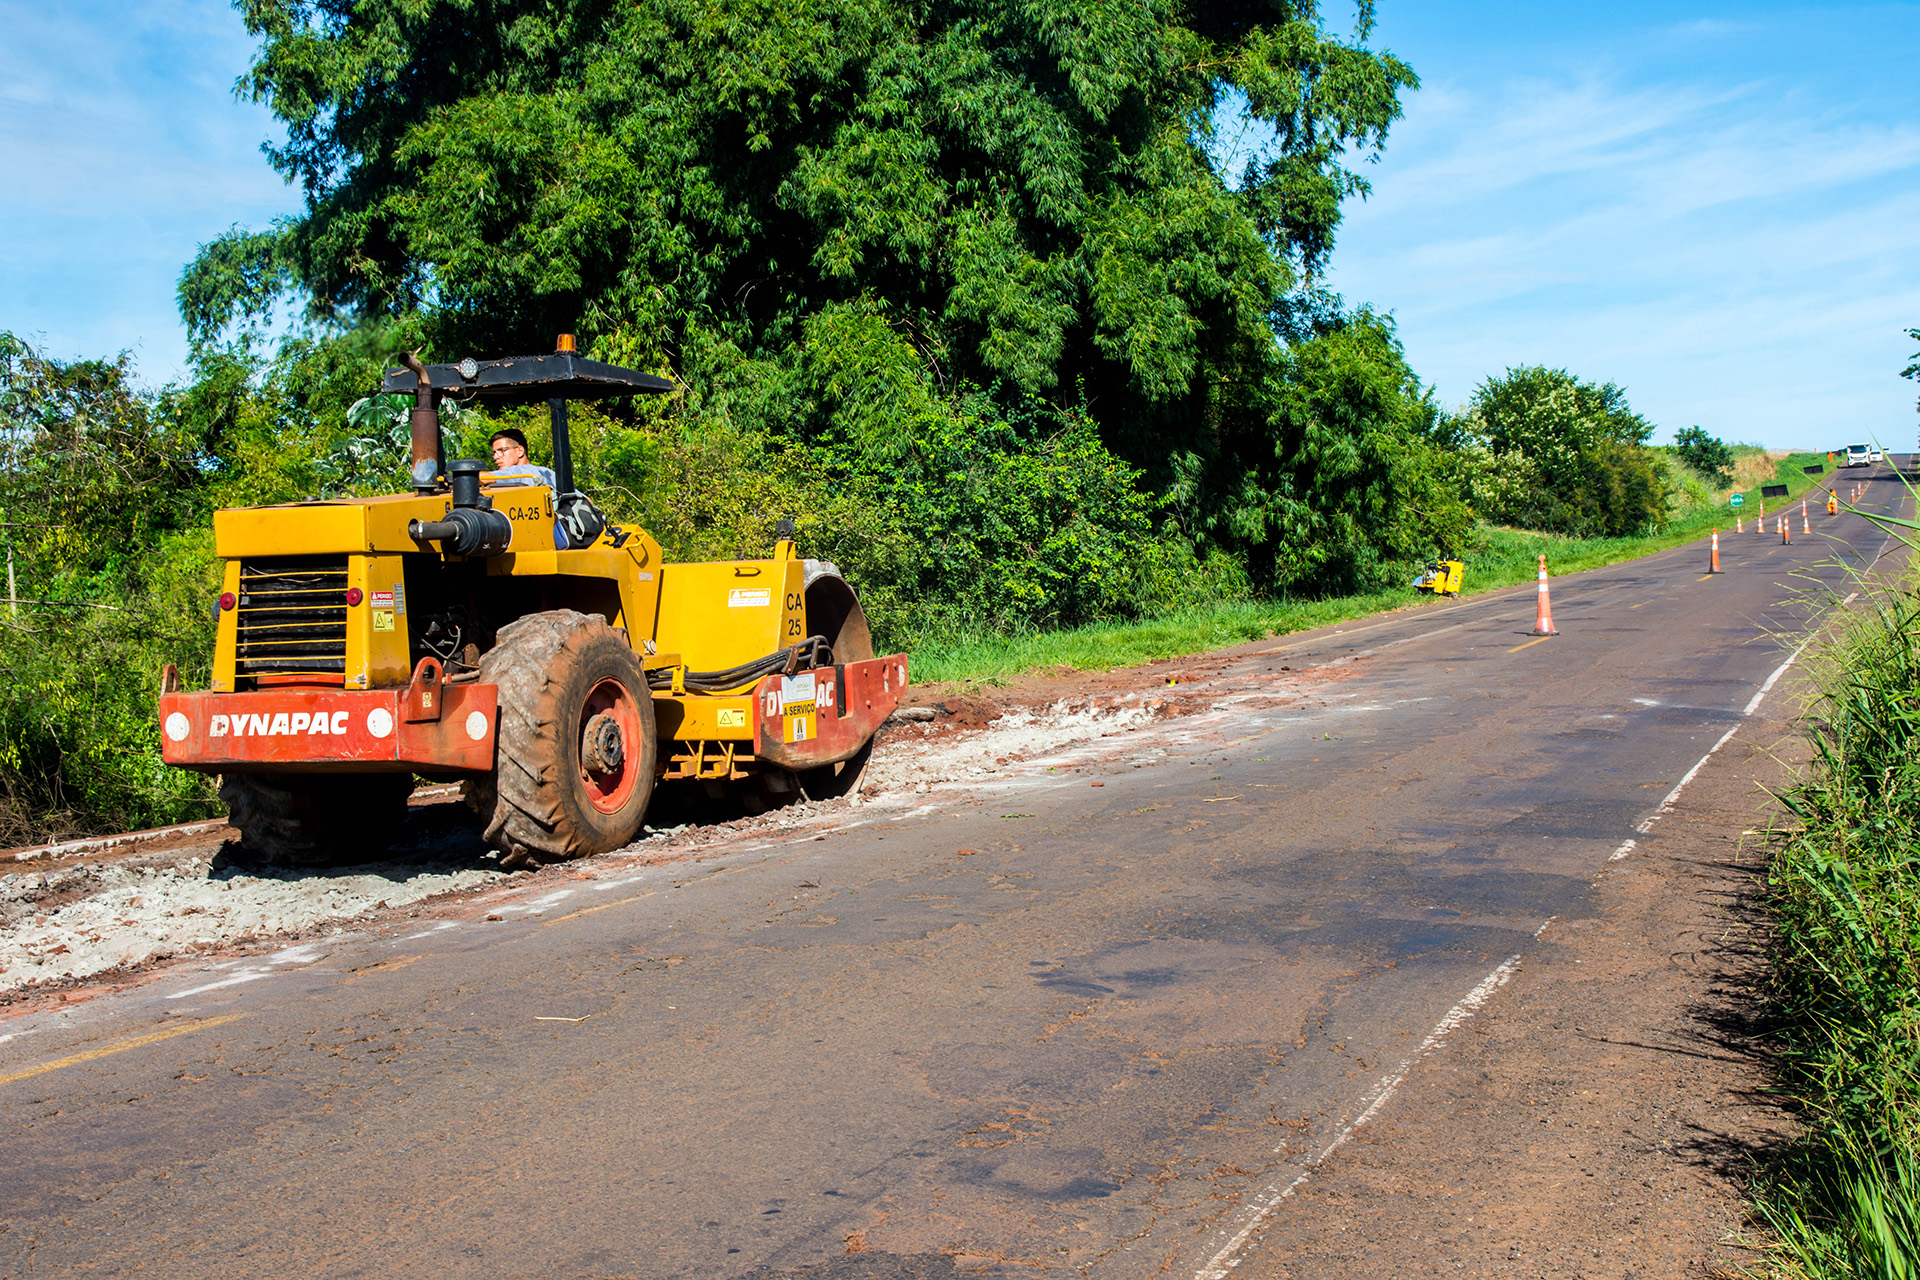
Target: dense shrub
{"x":1347,"y":479}
{"x":103,"y":496}
{"x":1705,"y":453}
{"x":1575,"y":450}
{"x":1845,"y":894}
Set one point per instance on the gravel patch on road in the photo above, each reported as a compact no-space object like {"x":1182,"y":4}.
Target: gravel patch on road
{"x":76,"y":922}
{"x":916,"y":755}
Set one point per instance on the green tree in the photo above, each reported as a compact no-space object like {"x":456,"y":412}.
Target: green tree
{"x":1344,"y":481}
{"x":1704,"y":453}
{"x":1576,"y":448}
{"x":1028,"y":185}
{"x":105,"y":496}
{"x":829,"y":220}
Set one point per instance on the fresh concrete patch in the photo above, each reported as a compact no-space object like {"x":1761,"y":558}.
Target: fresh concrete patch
{"x":81,"y":921}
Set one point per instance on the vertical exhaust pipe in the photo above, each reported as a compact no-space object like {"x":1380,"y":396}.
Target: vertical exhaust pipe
{"x":424,"y":420}
{"x":564,"y":345}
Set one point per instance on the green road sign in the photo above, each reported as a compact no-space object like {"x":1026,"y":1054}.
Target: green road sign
{"x":1736,"y":501}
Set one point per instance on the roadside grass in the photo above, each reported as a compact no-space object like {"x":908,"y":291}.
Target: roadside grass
{"x":1844,"y":893}
{"x":1500,"y":558}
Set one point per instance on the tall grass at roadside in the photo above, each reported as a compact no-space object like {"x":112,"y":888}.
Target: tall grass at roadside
{"x":1844,"y":891}
{"x":1500,"y":558}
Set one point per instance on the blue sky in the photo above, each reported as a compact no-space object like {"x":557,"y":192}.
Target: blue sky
{"x":1716,"y":206}
{"x":123,"y":150}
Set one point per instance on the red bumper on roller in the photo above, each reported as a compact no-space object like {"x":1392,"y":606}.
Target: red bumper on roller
{"x":822,"y":717}
{"x":327,"y":730}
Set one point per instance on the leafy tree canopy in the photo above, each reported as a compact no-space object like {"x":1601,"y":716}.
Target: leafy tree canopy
{"x":1573,"y":451}
{"x":821,"y":214}
{"x":102,"y":492}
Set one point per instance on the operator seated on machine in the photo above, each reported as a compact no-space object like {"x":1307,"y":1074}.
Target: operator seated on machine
{"x":511,"y":469}
{"x":511,"y":466}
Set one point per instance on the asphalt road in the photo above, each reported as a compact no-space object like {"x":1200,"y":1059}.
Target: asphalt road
{"x":1093,"y":1018}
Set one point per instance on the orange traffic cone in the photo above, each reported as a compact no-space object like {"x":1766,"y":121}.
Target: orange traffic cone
{"x":1714,"y":563}
{"x":1543,"y":612}
{"x":1738,"y":527}
{"x":1806,"y":526}
{"x":1760,"y":525}
{"x":1786,"y":530}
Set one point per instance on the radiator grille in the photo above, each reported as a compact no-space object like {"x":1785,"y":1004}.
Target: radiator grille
{"x":293,"y":616}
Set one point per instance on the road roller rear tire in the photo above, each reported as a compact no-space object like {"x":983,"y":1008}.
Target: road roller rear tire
{"x":574,"y":766}
{"x":317,"y":820}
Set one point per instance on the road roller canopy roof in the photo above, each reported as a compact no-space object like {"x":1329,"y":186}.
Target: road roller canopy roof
{"x":522,"y":379}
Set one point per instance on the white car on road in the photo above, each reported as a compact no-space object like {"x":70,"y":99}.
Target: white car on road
{"x":1858,"y":455}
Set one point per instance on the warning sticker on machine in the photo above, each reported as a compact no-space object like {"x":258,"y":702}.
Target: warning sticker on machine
{"x":797,"y":690}
{"x":383,"y":599}
{"x":383,"y":619}
{"x":749,"y":598}
{"x":732,"y":719}
{"x":799,"y":728}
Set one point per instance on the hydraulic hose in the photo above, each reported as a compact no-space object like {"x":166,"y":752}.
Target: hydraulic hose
{"x":809,"y":654}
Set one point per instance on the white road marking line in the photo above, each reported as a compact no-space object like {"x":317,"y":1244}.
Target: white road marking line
{"x":1667,"y":805}
{"x":1782,"y":669}
{"x":234,"y":981}
{"x":1375,"y":1098}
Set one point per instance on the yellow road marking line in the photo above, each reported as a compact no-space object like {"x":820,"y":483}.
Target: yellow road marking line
{"x":1631,"y":606}
{"x":152,"y":1037}
{"x":386,"y":966}
{"x":587,"y":911}
{"x":1703,"y":577}
{"x":1528,"y":645}
{"x":1218,"y":799}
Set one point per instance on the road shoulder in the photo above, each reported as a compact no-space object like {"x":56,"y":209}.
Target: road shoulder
{"x":1600,"y":1117}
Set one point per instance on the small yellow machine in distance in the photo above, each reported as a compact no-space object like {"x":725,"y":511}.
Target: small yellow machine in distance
{"x":1441,"y":578}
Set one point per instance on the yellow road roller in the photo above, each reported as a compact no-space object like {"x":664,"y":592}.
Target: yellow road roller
{"x":496,"y":628}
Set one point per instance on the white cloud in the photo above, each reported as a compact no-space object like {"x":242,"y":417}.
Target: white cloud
{"x":1707,"y":29}
{"x":1735,"y":255}
{"x":125,"y":150}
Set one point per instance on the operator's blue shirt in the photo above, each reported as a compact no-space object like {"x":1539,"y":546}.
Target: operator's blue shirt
{"x":526,"y":475}
{"x":523,"y":474}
